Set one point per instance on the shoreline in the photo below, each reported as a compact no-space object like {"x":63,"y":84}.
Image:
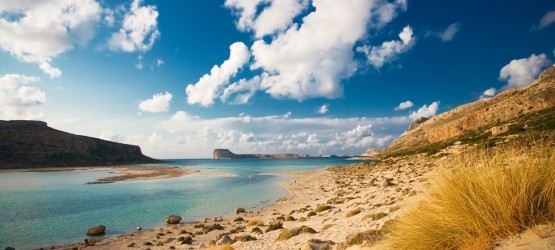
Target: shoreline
{"x":122,"y":173}
{"x":354,"y":198}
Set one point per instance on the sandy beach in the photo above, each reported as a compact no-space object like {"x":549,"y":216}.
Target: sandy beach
{"x":336,"y":203}
{"x":123,"y":173}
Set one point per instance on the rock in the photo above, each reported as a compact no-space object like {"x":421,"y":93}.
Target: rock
{"x":239,"y":210}
{"x":256,"y":230}
{"x":417,"y":123}
{"x":90,"y":242}
{"x":173,"y":219}
{"x":224,"y":240}
{"x":217,"y":219}
{"x":9,"y":248}
{"x":97,"y":230}
{"x":386,"y":182}
{"x":306,"y":246}
{"x":139,"y":228}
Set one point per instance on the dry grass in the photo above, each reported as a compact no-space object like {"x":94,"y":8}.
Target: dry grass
{"x":255,"y":222}
{"x":482,"y":198}
{"x":290,"y":233}
{"x":224,"y":247}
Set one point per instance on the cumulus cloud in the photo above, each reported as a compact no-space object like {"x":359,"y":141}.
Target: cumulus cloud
{"x":323,"y":109}
{"x":521,"y":72}
{"x":46,"y":29}
{"x":488,"y":93}
{"x":390,"y":50}
{"x":276,"y":15}
{"x":139,"y":29}
{"x":425,"y":111}
{"x":158,"y":103}
{"x":210,"y":85}
{"x":404,"y":105}
{"x":182,"y":116}
{"x":243,"y":90}
{"x":16,"y":101}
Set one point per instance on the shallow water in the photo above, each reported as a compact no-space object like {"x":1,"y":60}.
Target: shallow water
{"x":53,"y":208}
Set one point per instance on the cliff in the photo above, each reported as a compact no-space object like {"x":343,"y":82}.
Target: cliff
{"x":483,"y":116}
{"x":227,"y":154}
{"x":32,"y":144}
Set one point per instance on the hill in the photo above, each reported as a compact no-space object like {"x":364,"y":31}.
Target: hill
{"x":513,"y":111}
{"x":32,"y":144}
{"x":227,"y":154}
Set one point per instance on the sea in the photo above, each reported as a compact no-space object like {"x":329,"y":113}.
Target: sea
{"x":42,"y":209}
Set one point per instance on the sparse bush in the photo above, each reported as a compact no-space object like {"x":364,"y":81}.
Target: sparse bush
{"x":322,"y":208}
{"x":353,"y":212}
{"x":483,"y":197}
{"x":274,"y":226}
{"x":290,"y":233}
{"x":312,"y":213}
{"x":255,"y":222}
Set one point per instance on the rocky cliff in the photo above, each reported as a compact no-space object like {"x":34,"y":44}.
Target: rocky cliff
{"x":481,"y":115}
{"x":26,"y":144}
{"x":227,"y":154}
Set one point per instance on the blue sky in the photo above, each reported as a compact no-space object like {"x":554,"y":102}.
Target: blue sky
{"x":180,"y":78}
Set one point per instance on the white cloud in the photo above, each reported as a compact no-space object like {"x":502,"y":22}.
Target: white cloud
{"x":521,"y":72}
{"x":404,"y":105}
{"x":46,"y":29}
{"x":245,"y":88}
{"x":323,"y":109}
{"x":547,"y":19}
{"x":182,"y":116}
{"x":449,"y":33}
{"x":139,"y":30}
{"x":488,"y":93}
{"x":390,"y":50}
{"x":159,"y":62}
{"x":111,"y":136}
{"x":17,"y":102}
{"x":276,"y":16}
{"x":158,"y":103}
{"x":109,"y":17}
{"x":310,"y":60}
{"x":425,"y":111}
{"x":209,"y":86}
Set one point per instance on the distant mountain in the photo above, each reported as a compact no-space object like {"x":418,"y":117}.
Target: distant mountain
{"x":514,"y":111}
{"x":32,"y":144}
{"x":227,"y":154}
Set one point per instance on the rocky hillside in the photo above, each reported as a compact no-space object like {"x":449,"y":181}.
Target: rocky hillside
{"x":514,"y":110}
{"x":32,"y":144}
{"x":227,"y":154}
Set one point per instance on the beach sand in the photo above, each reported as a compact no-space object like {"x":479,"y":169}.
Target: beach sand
{"x":361,"y":196}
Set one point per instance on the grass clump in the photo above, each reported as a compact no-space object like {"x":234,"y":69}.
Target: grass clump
{"x":374,"y":217}
{"x":366,"y":237}
{"x":322,"y":208}
{"x":482,"y":198}
{"x":255,"y":222}
{"x":311,"y":213}
{"x":353,"y":212}
{"x":290,"y":233}
{"x":274,"y":226}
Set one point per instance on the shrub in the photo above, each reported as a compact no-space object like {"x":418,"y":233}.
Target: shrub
{"x":366,"y":237}
{"x":274,"y":226}
{"x":483,"y":197}
{"x":353,"y":212}
{"x":312,"y":213}
{"x":255,"y":222}
{"x":322,"y":208}
{"x":290,"y":233}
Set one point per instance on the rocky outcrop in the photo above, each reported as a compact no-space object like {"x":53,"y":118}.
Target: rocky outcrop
{"x":219,"y":154}
{"x":482,"y":114}
{"x":173,"y":219}
{"x":417,"y":123}
{"x":32,"y":144}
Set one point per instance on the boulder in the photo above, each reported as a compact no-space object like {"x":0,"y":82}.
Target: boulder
{"x":417,"y":123}
{"x":173,"y":219}
{"x":9,"y":248}
{"x":224,"y":240}
{"x":386,"y":182}
{"x":97,"y":230}
{"x":90,"y":242}
{"x":217,"y":219}
{"x":239,"y":210}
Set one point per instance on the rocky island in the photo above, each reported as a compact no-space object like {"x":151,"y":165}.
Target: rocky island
{"x":220,"y":154}
{"x":32,"y":144}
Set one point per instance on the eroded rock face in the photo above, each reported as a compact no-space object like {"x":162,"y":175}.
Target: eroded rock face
{"x":34,"y":144}
{"x":417,"y":123}
{"x":510,"y":104}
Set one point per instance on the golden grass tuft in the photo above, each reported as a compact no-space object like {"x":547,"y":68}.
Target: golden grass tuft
{"x":224,"y":247}
{"x":290,"y":233}
{"x":255,"y":222}
{"x":482,"y":197}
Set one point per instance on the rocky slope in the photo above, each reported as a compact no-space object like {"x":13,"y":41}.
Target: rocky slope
{"x":227,"y":154}
{"x":32,"y":144}
{"x":494,"y":115}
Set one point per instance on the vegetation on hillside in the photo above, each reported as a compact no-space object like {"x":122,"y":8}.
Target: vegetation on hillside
{"x":482,"y":197}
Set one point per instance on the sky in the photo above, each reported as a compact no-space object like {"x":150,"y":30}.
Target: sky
{"x":180,"y":78}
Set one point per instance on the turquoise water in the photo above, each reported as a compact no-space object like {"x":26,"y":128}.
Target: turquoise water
{"x":53,"y":208}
